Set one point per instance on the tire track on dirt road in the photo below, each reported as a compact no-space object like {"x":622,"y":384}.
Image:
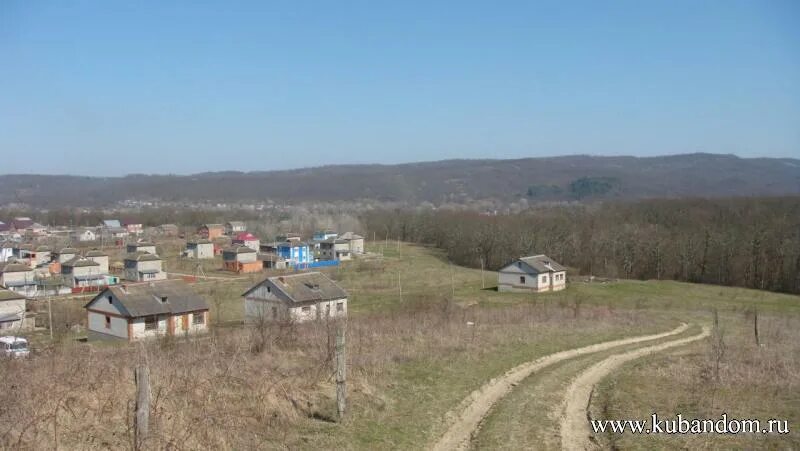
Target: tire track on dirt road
{"x":575,"y":431}
{"x":464,"y":420}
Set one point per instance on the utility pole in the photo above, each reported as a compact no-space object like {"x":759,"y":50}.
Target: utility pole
{"x":141,"y":424}
{"x":50,"y":315}
{"x":400,"y":286}
{"x":341,"y":371}
{"x":483,"y":283}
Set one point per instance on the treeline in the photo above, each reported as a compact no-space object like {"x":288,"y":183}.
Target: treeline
{"x":748,"y":242}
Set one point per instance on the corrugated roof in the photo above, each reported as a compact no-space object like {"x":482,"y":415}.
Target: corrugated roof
{"x":16,"y":267}
{"x":77,"y":262}
{"x":542,"y":263}
{"x":96,"y":253}
{"x":239,"y":249}
{"x":8,"y":295}
{"x":146,"y":298}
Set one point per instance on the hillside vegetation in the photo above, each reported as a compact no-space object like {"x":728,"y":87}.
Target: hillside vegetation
{"x":566,"y":178}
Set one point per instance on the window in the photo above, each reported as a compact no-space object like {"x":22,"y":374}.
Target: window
{"x":163,"y":299}
{"x":150,"y":322}
{"x":306,"y":309}
{"x":522,"y":280}
{"x":198,"y":318}
{"x":274,"y":312}
{"x":340,"y":306}
{"x":108,"y":322}
{"x":544,"y":279}
{"x":110,"y":301}
{"x":269,"y":289}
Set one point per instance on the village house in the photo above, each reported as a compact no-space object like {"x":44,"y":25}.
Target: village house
{"x":211,"y":231}
{"x":356,"y":242}
{"x":296,"y":297}
{"x":5,"y":229}
{"x":234,"y":227}
{"x":85,"y":235}
{"x":295,"y":252}
{"x":334,"y":249}
{"x":247,"y":239}
{"x":291,"y":237}
{"x":240,"y":259}
{"x":13,"y":312}
{"x":21,"y":223}
{"x":83,"y":273}
{"x":132,"y":226}
{"x":18,"y":277}
{"x":271,"y":261}
{"x":32,"y":255}
{"x":536,"y":273}
{"x":148,"y":310}
{"x":200,"y":249}
{"x":100,"y":257}
{"x":143,"y":267}
{"x":141,"y":246}
{"x":64,"y":255}
{"x":117,"y":234}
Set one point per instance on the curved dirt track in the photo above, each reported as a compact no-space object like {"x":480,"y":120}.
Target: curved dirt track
{"x":465,"y":419}
{"x":575,"y":431}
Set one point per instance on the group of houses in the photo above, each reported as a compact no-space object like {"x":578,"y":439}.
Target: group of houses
{"x":245,"y":253}
{"x":132,"y":312}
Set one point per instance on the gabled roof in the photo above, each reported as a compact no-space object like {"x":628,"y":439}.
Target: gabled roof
{"x":77,"y":262}
{"x":96,"y":253}
{"x":145,"y":299}
{"x":21,"y":223}
{"x":112,"y":223}
{"x":236,"y":223}
{"x":212,"y":226}
{"x":542,"y":263}
{"x":239,"y":249}
{"x":305,"y":287}
{"x":4,"y":227}
{"x":16,"y":267}
{"x":199,"y":241}
{"x":142,"y":244}
{"x":292,"y":244}
{"x":68,"y":250}
{"x":245,"y":236}
{"x":350,"y":236}
{"x":42,"y":249}
{"x":8,"y":295}
{"x":142,"y":257}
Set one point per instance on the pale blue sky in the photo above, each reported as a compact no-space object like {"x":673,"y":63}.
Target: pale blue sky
{"x":109,"y":88}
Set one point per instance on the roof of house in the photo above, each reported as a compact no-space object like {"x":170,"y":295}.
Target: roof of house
{"x":305,"y":287}
{"x":42,"y":249}
{"x":199,"y":241}
{"x":245,"y":236}
{"x":145,"y":299}
{"x":212,"y":226}
{"x":350,"y":236}
{"x":142,"y":244}
{"x":542,"y":263}
{"x":142,"y":257}
{"x":96,"y":253}
{"x":4,"y":227}
{"x":111,"y":223}
{"x":238,"y":249}
{"x":131,"y":221}
{"x":236,"y":223}
{"x":118,"y":230}
{"x":15,"y":267}
{"x":22,"y":223}
{"x":68,"y":250}
{"x":8,"y":295}
{"x":292,"y":244}
{"x":77,"y":262}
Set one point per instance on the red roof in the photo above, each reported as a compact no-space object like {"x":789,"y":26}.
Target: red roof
{"x":245,"y":236}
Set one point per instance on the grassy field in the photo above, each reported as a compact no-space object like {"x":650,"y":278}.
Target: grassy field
{"x":422,"y":334}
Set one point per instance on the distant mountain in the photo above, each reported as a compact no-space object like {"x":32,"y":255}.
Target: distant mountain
{"x":576,"y":177}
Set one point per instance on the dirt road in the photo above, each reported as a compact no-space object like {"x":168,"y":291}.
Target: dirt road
{"x":575,"y":429}
{"x":465,"y":419}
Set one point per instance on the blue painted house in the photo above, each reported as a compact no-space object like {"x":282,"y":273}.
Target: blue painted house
{"x":294,"y":252}
{"x":324,"y":235}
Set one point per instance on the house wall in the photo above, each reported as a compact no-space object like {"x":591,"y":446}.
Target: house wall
{"x":202,"y":251}
{"x":149,"y":249}
{"x":13,"y":307}
{"x":5,"y":254}
{"x":357,"y":246}
{"x":139,"y":332}
{"x":261,"y":302}
{"x":559,"y":280}
{"x":96,"y":324}
{"x":508,"y":280}
{"x":102,"y":260}
{"x":11,"y":279}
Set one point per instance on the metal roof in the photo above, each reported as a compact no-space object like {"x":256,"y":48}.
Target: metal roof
{"x":145,"y":299}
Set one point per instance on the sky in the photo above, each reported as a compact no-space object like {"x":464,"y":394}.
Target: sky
{"x":113,"y":88}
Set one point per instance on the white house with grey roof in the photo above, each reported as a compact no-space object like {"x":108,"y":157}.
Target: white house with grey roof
{"x":144,"y":267}
{"x":145,"y":310}
{"x":13,"y":309}
{"x":297,"y":297}
{"x":537,"y":273}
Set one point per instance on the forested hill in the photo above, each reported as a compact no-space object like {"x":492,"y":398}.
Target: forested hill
{"x":577,"y":177}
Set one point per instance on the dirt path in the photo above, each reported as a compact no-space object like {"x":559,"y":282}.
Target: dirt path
{"x":463,"y":421}
{"x":575,"y":430}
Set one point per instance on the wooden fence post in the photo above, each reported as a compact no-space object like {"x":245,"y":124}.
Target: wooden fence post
{"x":755,"y":327}
{"x":142,"y":419}
{"x":341,"y":373}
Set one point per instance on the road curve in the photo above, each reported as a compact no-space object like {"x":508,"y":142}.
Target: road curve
{"x":575,"y":431}
{"x":464,"y":420}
